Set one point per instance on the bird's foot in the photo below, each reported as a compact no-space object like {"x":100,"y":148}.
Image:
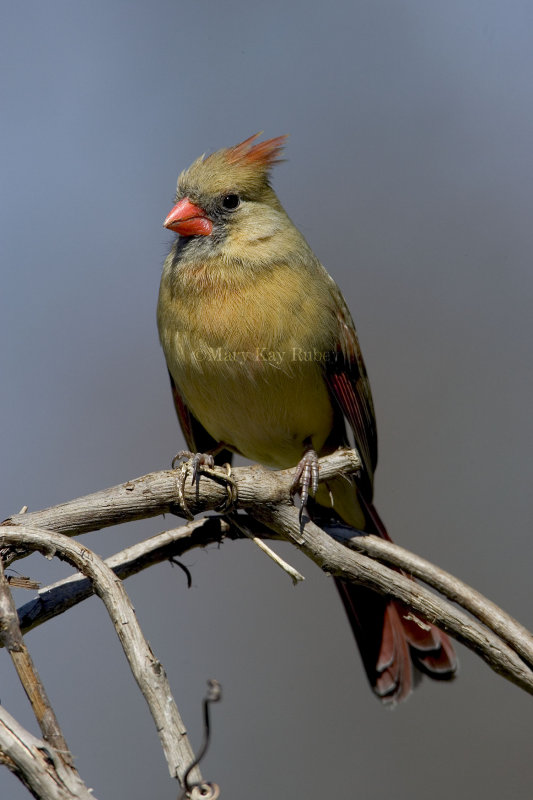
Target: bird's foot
{"x":192,"y":464}
{"x":201,"y":462}
{"x":305,"y":479}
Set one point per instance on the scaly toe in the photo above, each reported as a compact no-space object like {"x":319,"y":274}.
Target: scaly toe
{"x":305,"y":480}
{"x":193,"y":462}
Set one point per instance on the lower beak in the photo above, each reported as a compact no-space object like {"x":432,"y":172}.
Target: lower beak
{"x":188,"y":220}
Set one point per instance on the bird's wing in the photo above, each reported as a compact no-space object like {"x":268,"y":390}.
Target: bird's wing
{"x":346,"y":377}
{"x":197,"y":438}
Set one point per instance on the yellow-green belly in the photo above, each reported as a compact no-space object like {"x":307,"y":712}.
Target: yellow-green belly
{"x":249,"y":364}
{"x":263,"y":403}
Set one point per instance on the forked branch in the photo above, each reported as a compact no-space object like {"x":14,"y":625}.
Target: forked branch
{"x":265,"y":497}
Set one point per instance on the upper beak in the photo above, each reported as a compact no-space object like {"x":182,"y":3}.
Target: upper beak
{"x":188,"y":219}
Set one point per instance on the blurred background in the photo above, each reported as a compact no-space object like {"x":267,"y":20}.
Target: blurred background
{"x":409,"y":170}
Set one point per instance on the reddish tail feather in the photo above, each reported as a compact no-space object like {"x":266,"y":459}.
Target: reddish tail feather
{"x":394,"y":646}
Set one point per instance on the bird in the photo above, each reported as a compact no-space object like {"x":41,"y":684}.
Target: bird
{"x":264,"y":361}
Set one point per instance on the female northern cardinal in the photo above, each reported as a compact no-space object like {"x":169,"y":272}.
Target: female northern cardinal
{"x":264,"y":361}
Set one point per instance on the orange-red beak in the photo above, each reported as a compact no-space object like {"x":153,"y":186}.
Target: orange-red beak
{"x":188,"y":219}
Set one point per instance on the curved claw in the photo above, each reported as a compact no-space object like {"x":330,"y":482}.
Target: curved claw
{"x":193,"y":462}
{"x":199,"y":460}
{"x":305,"y":480}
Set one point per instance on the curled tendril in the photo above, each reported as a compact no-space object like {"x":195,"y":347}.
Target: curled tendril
{"x":203,"y":791}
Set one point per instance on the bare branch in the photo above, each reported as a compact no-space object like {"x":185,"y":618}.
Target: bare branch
{"x":491,"y":615}
{"x":37,"y":764}
{"x":156,"y":493}
{"x":147,"y":670}
{"x":11,"y":638}
{"x":64,"y":594}
{"x":502,"y":642}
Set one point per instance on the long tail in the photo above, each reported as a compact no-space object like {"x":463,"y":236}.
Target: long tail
{"x":393,"y":645}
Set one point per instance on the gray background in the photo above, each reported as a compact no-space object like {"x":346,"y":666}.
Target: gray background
{"x":410,"y":172}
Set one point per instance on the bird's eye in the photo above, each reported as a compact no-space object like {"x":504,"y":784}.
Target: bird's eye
{"x":231,"y":201}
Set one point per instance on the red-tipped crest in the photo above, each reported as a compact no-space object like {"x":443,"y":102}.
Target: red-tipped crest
{"x":262,"y":154}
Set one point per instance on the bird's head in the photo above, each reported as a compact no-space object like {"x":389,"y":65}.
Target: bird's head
{"x":228,"y":193}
